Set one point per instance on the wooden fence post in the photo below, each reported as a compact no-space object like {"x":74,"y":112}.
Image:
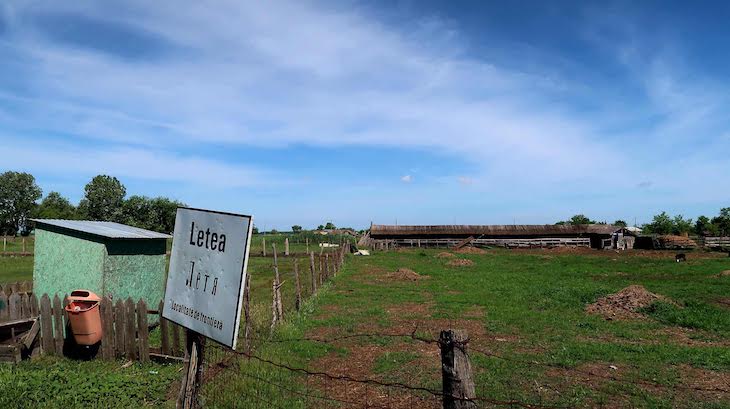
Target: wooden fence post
{"x":175,"y":347}
{"x":458,"y":385}
{"x":286,"y":246}
{"x":58,"y":324}
{"x":143,"y":331}
{"x":34,"y":310}
{"x":306,"y":240}
{"x":247,"y":314}
{"x":14,"y":306}
{"x":263,"y":246}
{"x":193,"y":371}
{"x":107,"y":331}
{"x":47,"y":326}
{"x":321,"y":269}
{"x":164,"y":332}
{"x":298,"y":303}
{"x":277,"y":287}
{"x":311,"y":271}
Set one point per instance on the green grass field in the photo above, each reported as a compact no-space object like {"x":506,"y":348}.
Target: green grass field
{"x":530,"y":338}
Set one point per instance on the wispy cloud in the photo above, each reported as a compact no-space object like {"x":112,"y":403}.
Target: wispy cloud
{"x":406,"y":179}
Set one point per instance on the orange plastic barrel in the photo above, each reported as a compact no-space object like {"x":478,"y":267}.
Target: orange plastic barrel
{"x":84,"y":316}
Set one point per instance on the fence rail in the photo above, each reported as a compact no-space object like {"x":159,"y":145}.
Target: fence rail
{"x":717,"y":242}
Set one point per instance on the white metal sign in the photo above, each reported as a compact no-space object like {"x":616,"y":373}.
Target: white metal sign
{"x":205,"y":283}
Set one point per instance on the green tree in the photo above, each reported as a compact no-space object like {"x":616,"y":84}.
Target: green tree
{"x":18,"y":195}
{"x":320,"y":227}
{"x":156,"y":214}
{"x":103,"y":199}
{"x":705,"y":227}
{"x":660,"y":224}
{"x":722,"y":222}
{"x":580,"y":219}
{"x":296,"y":228}
{"x":255,"y":230}
{"x":620,"y":223}
{"x":55,"y":206}
{"x":329,"y":226}
{"x":680,"y":225}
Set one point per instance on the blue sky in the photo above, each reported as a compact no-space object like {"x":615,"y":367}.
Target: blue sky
{"x":416,"y":112}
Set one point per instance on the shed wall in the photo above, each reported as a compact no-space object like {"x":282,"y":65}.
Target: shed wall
{"x":140,"y":274}
{"x":64,"y":263}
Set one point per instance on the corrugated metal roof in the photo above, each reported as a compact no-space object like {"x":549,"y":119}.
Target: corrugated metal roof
{"x":504,"y":230}
{"x":105,"y":229}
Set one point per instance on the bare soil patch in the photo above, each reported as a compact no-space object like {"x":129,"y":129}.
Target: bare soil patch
{"x":460,"y":262}
{"x":725,"y":273}
{"x":471,"y":250}
{"x":445,"y":254}
{"x":724,"y":302}
{"x":625,"y":303}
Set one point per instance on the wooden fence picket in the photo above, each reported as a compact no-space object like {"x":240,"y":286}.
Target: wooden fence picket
{"x":142,"y":330}
{"x":120,"y":328}
{"x":25,"y":306}
{"x":57,"y":325}
{"x":131,"y":335}
{"x":47,"y":326}
{"x":34,"y":308}
{"x":14,"y":306}
{"x":4,"y":307}
{"x":107,"y":331}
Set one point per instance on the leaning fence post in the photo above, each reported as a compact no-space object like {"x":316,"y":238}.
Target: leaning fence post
{"x":298,"y":304}
{"x":247,"y":314}
{"x":311,"y":270}
{"x":193,"y":371}
{"x":458,"y":385}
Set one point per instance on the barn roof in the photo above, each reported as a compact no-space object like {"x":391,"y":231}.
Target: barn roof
{"x":104,"y":229}
{"x":502,"y":230}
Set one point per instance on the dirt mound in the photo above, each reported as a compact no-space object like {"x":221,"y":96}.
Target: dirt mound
{"x":444,"y":254}
{"x":405,"y":274}
{"x":625,"y":303}
{"x":471,"y":250}
{"x":460,"y":262}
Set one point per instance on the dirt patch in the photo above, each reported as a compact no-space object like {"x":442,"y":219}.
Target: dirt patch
{"x":625,"y":303}
{"x":724,"y":302}
{"x":460,"y":262}
{"x":710,"y":385}
{"x":422,"y":309}
{"x":445,"y":254}
{"x":404,"y":274}
{"x":725,"y":273}
{"x":471,"y":250}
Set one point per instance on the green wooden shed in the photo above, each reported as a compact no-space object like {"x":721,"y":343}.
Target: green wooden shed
{"x":104,"y":257}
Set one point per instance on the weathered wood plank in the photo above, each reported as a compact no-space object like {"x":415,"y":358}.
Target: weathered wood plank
{"x":14,"y":306}
{"x":25,"y":306}
{"x":35,"y":309}
{"x":120,"y":328}
{"x":298,"y":301}
{"x":47,"y":326}
{"x":58,"y":325}
{"x":107,"y":331}
{"x":142,"y":331}
{"x":131,"y":332}
{"x":175,"y":347}
{"x":4,"y":307}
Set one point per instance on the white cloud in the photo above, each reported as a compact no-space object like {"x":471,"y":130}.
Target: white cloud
{"x":465,"y":180}
{"x":406,"y":179}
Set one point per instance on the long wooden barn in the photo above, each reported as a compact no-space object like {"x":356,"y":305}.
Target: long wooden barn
{"x":587,"y":235}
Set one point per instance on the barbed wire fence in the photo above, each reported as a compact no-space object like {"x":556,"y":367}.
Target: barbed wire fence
{"x":255,"y":377}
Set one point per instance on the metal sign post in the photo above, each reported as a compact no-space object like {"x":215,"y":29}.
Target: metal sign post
{"x":205,"y":284}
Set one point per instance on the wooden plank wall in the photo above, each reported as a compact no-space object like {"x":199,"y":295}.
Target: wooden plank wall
{"x":125,"y":325}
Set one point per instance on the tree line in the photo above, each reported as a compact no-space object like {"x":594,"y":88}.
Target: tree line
{"x":105,"y":199}
{"x":663,"y":223}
